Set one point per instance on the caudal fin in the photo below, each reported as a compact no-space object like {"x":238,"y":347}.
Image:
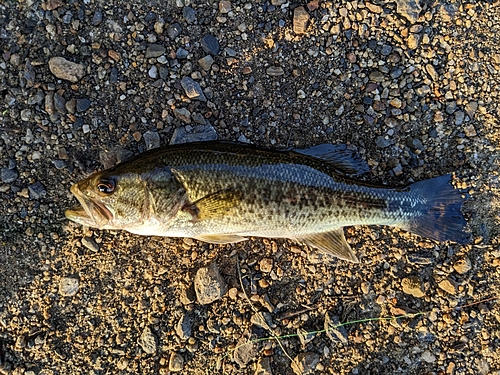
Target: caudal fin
{"x":440,"y":216}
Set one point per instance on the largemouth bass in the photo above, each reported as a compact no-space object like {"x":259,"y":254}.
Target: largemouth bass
{"x":223,"y":192}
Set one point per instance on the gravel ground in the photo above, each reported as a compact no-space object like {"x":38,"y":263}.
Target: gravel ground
{"x":413,"y":85}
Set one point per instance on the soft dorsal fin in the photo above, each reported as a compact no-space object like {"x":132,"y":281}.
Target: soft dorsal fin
{"x":345,"y":160}
{"x":332,"y":243}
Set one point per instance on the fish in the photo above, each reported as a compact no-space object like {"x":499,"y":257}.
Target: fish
{"x":225,"y":192}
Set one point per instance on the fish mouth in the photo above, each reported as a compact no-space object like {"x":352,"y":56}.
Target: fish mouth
{"x":91,"y":213}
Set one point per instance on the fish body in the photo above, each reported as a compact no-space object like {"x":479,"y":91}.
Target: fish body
{"x":222,"y":192}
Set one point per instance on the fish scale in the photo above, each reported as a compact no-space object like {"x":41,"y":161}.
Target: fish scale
{"x":223,"y":192}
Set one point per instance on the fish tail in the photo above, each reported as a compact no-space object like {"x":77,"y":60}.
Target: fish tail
{"x":440,"y":217}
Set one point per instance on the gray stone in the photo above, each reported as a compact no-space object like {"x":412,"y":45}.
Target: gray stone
{"x":37,"y":190}
{"x":59,"y":164}
{"x":60,"y":104}
{"x":192,"y":89}
{"x":181,"y":53}
{"x":154,"y":50}
{"x":200,"y":133}
{"x":8,"y":175}
{"x":396,"y":72}
{"x":163,"y":71}
{"x":90,"y":244}
{"x":210,"y":44}
{"x":264,"y":367}
{"x":183,"y":114}
{"x":147,"y":341}
{"x":183,"y":327}
{"x":153,"y":72}
{"x":26,"y":115}
{"x":68,"y":286}
{"x":305,"y":363}
{"x":245,"y":352}
{"x":174,"y":30}
{"x":209,"y":285}
{"x":451,"y":107}
{"x":37,"y":98}
{"x":275,"y":71}
{"x":471,"y":109}
{"x":176,"y":362}
{"x":206,"y":62}
{"x":459,"y":117}
{"x":189,"y":14}
{"x":71,"y":106}
{"x":97,"y":18}
{"x":49,"y":103}
{"x":151,"y":139}
{"x":377,"y":76}
{"x":386,"y":50}
{"x":382,"y":142}
{"x":64,"y":69}
{"x":415,"y":144}
{"x":410,"y":9}
{"x":82,"y":104}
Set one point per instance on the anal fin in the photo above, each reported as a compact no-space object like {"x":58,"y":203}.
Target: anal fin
{"x":220,"y":238}
{"x":333,"y":243}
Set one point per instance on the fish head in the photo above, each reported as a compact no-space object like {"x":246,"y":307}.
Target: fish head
{"x":109,"y":200}
{"x":135,"y":197}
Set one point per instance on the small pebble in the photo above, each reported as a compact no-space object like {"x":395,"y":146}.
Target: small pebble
{"x":210,"y":44}
{"x":305,"y":363}
{"x":90,"y":244}
{"x":97,"y":18}
{"x":65,"y":69}
{"x":206,"y":62}
{"x":8,"y":175}
{"x":153,"y":72}
{"x":82,"y":105}
{"x":183,"y":327}
{"x":154,"y":50}
{"x":37,"y":190}
{"x":275,"y":71}
{"x":300,"y":20}
{"x":192,"y":89}
{"x":147,"y":341}
{"x":209,"y":285}
{"x":174,"y":30}
{"x":176,"y":362}
{"x":412,"y":285}
{"x":151,"y":139}
{"x":462,"y":266}
{"x":68,"y":286}
{"x":189,"y":14}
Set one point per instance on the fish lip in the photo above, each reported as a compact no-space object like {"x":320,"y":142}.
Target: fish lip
{"x":90,"y":213}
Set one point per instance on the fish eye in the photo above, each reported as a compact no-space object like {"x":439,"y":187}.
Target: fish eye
{"x":106,"y":186}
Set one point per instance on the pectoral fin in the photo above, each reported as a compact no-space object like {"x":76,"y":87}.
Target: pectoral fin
{"x":221,"y":238}
{"x":332,"y":243}
{"x":214,"y":205}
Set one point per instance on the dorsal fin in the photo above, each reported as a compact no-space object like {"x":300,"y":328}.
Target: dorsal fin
{"x":343,"y":159}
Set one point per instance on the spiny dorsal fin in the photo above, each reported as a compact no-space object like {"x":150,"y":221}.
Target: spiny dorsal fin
{"x":345,"y":160}
{"x":220,"y":238}
{"x":332,"y":243}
